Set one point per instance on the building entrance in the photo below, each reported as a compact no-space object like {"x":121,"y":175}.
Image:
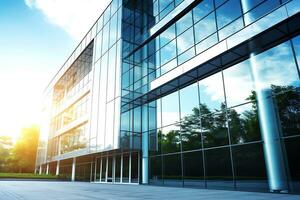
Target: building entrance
{"x":119,"y":168}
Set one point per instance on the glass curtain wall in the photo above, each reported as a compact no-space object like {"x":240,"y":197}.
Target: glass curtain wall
{"x":208,"y":134}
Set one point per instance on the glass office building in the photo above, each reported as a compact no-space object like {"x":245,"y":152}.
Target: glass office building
{"x":186,"y":93}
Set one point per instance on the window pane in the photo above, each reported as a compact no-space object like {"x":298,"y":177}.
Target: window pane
{"x":214,"y":129}
{"x":193,"y":169}
{"x":293,"y":150}
{"x":244,"y":124}
{"x":288,"y":108}
{"x":268,"y":69}
{"x":296,"y":44}
{"x":239,"y":84}
{"x":250,"y":169}
{"x":231,"y":28}
{"x":170,"y":139}
{"x":168,"y":52}
{"x":258,"y":11}
{"x":155,"y":170}
{"x":205,"y":27}
{"x":211,"y":94}
{"x":218,"y":168}
{"x":170,"y":109}
{"x":189,"y":101}
{"x":125,"y":178}
{"x":207,"y":43}
{"x":186,"y":56}
{"x":203,"y":9}
{"x":167,"y":36}
{"x":228,"y":12}
{"x":172,"y":170}
{"x":185,"y":41}
{"x":184,"y":23}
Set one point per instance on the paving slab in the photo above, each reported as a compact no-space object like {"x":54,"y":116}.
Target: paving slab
{"x":44,"y":190}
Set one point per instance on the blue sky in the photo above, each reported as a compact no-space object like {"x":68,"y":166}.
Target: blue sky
{"x":36,"y":37}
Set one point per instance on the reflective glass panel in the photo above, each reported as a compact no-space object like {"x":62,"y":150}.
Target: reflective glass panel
{"x":170,"y":139}
{"x":205,"y":27}
{"x":211,"y":94}
{"x":228,"y":12}
{"x":202,"y":9}
{"x":172,"y":170}
{"x":218,"y":168}
{"x":170,"y":109}
{"x":185,"y":41}
{"x":244,"y":124}
{"x":184,"y":23}
{"x":239,"y":86}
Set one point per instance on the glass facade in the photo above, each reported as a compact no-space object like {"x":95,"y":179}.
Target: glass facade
{"x":201,"y":94}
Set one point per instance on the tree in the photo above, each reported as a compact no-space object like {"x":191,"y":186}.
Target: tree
{"x":24,"y":152}
{"x":5,"y":148}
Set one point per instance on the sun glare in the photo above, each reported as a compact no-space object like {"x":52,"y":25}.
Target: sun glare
{"x":21,"y":104}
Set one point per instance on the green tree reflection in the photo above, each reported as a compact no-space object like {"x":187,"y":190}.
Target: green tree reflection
{"x":243,"y":122}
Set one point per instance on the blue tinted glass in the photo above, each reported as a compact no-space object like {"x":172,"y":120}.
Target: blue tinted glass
{"x":166,"y":11}
{"x":169,"y":66}
{"x":207,"y":43}
{"x":106,"y":15}
{"x":167,"y":36}
{"x":113,"y":30}
{"x":155,"y":8}
{"x":248,"y":5}
{"x":186,"y":55}
{"x":105,"y":38}
{"x":211,"y":94}
{"x":114,"y":6}
{"x":238,"y":83}
{"x":185,"y":40}
{"x":168,"y":52}
{"x":231,"y":28}
{"x":219,"y":2}
{"x":177,"y":2}
{"x":296,"y":43}
{"x":228,"y":12}
{"x":260,"y":10}
{"x":203,"y":9}
{"x":269,"y":65}
{"x":205,"y":27}
{"x":189,"y":102}
{"x":164,"y":3}
{"x":170,"y":109}
{"x":184,"y":23}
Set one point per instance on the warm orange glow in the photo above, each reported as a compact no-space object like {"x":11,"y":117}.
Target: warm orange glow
{"x":20,"y":101}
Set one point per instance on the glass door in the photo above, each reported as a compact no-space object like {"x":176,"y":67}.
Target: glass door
{"x":109,"y":169}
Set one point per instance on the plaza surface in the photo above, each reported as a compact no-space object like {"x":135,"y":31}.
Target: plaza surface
{"x":37,"y":190}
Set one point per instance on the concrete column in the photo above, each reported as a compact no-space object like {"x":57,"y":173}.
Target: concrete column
{"x":57,"y":168}
{"x":145,"y":158}
{"x":40,"y":172}
{"x":47,"y":169}
{"x":73,"y":169}
{"x":270,"y":132}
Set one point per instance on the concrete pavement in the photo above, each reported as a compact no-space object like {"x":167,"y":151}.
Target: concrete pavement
{"x":43,"y":190}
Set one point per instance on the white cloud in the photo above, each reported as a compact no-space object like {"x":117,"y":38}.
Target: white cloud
{"x":74,"y":16}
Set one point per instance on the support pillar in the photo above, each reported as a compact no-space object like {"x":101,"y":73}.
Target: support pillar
{"x":40,"y":172}
{"x":73,"y":169}
{"x":145,"y":158}
{"x":57,"y":168}
{"x":47,"y":169}
{"x":270,"y":133}
{"x":275,"y":163}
